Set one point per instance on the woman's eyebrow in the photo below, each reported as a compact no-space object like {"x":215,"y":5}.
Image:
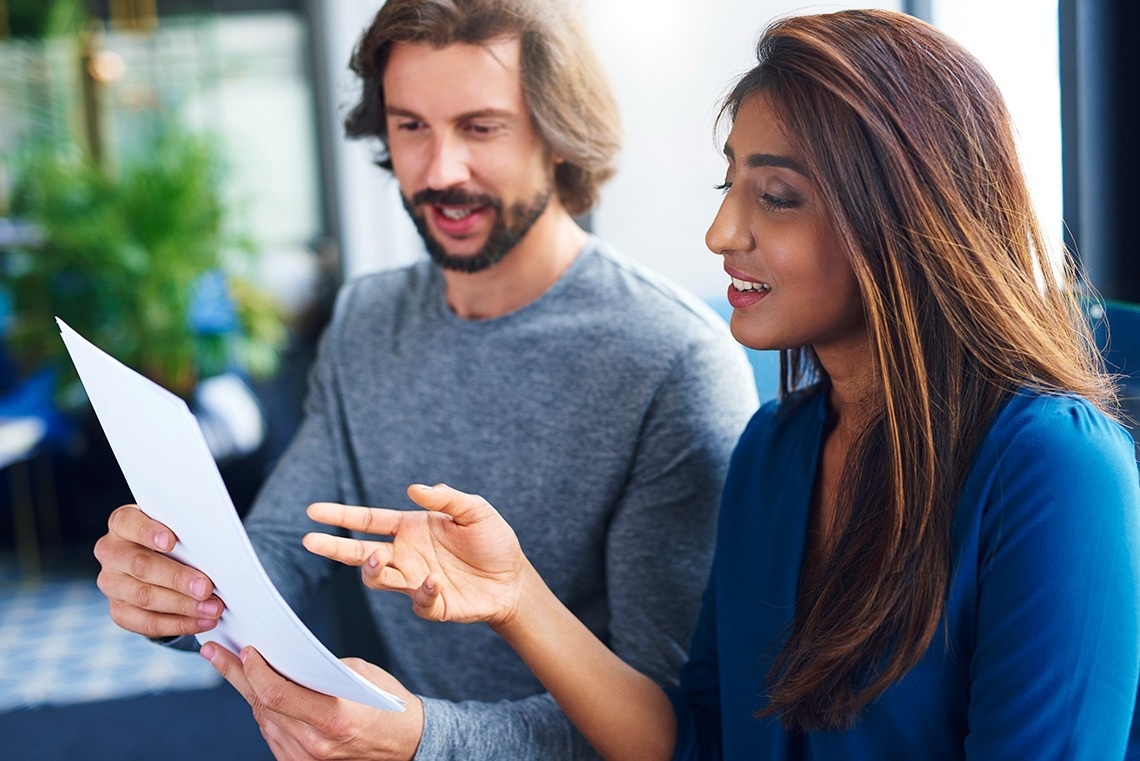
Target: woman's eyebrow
{"x":757,"y":160}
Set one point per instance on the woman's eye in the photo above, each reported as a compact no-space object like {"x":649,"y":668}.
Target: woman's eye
{"x":723,"y":186}
{"x":774,"y":203}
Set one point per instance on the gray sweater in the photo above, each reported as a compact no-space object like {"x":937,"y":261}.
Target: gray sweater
{"x":598,"y":419}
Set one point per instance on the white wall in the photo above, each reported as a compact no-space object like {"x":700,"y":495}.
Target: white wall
{"x":375,"y":230}
{"x":670,"y":62}
{"x":1025,"y":65}
{"x":670,"y":69}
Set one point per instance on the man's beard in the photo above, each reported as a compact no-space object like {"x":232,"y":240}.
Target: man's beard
{"x":506,"y":233}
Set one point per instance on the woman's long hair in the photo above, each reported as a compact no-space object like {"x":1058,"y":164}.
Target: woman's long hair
{"x":909,"y":145}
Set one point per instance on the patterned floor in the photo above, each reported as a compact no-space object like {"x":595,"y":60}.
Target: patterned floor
{"x":58,"y":646}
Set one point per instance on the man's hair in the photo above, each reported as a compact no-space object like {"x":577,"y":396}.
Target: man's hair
{"x":569,"y":98}
{"x":910,"y":148}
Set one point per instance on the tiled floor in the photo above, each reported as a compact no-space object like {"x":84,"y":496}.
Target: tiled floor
{"x":58,"y":646}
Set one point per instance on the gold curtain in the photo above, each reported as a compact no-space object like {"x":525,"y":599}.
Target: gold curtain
{"x":139,"y":15}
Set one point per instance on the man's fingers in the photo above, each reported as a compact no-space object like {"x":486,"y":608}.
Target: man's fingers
{"x":229,"y":666}
{"x":277,"y":694}
{"x":130,"y":591}
{"x":346,"y":550}
{"x":152,"y":569}
{"x":119,"y":553}
{"x":151,"y":624}
{"x":133,"y":524}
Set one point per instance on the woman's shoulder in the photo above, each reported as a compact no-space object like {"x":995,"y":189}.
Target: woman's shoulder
{"x":1054,"y":448}
{"x":1035,"y":420}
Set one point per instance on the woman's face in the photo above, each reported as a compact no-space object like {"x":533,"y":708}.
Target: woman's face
{"x":791,"y":285}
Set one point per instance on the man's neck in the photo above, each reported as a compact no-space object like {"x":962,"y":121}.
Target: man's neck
{"x":524,"y":274}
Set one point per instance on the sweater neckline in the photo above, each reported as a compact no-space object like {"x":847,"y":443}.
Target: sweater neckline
{"x":571,"y":273}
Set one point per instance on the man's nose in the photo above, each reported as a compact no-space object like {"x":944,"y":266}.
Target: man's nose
{"x":449,"y":163}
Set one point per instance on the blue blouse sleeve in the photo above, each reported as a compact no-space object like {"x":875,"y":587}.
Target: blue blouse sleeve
{"x":697,"y":700}
{"x":698,"y":707}
{"x":1056,"y":660}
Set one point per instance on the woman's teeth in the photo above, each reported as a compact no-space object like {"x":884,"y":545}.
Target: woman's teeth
{"x":745,"y":285}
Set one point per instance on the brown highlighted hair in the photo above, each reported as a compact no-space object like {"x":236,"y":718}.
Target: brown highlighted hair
{"x":567,"y":92}
{"x":911,"y":149}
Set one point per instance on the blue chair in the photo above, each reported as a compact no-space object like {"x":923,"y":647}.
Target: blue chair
{"x":765,"y":364}
{"x":1116,"y":327}
{"x":30,"y":425}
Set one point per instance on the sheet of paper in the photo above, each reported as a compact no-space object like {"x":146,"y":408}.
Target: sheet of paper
{"x":174,"y":480}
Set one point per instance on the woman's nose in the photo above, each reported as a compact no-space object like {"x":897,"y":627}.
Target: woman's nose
{"x":729,"y":230}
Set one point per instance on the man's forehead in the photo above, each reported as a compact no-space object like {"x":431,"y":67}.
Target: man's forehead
{"x":456,"y":78}
{"x":505,"y":52}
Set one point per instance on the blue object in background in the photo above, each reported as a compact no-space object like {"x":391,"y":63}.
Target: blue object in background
{"x":1116,"y":328}
{"x":212,"y":310}
{"x":765,"y":364}
{"x":34,"y":397}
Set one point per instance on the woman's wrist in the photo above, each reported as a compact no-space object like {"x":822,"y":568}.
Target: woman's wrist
{"x":530,"y":605}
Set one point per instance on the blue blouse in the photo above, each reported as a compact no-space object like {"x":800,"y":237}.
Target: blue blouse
{"x":1040,"y":654}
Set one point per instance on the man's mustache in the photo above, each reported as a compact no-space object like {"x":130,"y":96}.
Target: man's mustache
{"x":455,"y":197}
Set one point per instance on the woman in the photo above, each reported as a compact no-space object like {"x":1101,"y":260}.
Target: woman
{"x":928,"y":547}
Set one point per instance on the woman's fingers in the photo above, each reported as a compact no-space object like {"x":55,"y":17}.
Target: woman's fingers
{"x":462,"y":507}
{"x":367,"y":520}
{"x":390,"y":579}
{"x":426,"y":601}
{"x":347,"y":550}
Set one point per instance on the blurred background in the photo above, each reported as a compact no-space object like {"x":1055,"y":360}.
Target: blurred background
{"x":174,"y":184}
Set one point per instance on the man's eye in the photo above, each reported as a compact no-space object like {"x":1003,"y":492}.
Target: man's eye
{"x":409,"y":126}
{"x":482,"y":129}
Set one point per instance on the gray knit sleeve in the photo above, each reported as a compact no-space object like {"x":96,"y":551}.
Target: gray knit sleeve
{"x":307,"y":472}
{"x":531,"y":729}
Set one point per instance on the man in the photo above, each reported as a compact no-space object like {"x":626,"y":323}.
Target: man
{"x":527,"y":362}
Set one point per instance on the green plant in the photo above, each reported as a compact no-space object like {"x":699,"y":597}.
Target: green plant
{"x":37,"y":19}
{"x":121,"y":256}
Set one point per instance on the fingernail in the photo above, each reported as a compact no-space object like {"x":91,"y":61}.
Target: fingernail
{"x":429,"y":586}
{"x":208,"y":651}
{"x":198,"y":587}
{"x":373,"y":561}
{"x":244,"y":654}
{"x":211,"y":608}
{"x":162,"y":541}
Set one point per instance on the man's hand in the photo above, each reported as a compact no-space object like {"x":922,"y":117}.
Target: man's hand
{"x":298,"y":723}
{"x":458,"y":560}
{"x":150,"y":593}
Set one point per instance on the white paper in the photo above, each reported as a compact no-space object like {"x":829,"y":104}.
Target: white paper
{"x":174,"y":480}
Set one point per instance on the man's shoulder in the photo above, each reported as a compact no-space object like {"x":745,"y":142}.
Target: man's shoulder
{"x":410,"y":278}
{"x":371,"y":294}
{"x":644,"y":297}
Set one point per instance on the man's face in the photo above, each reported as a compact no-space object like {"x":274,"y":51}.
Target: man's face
{"x":473,"y":173}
